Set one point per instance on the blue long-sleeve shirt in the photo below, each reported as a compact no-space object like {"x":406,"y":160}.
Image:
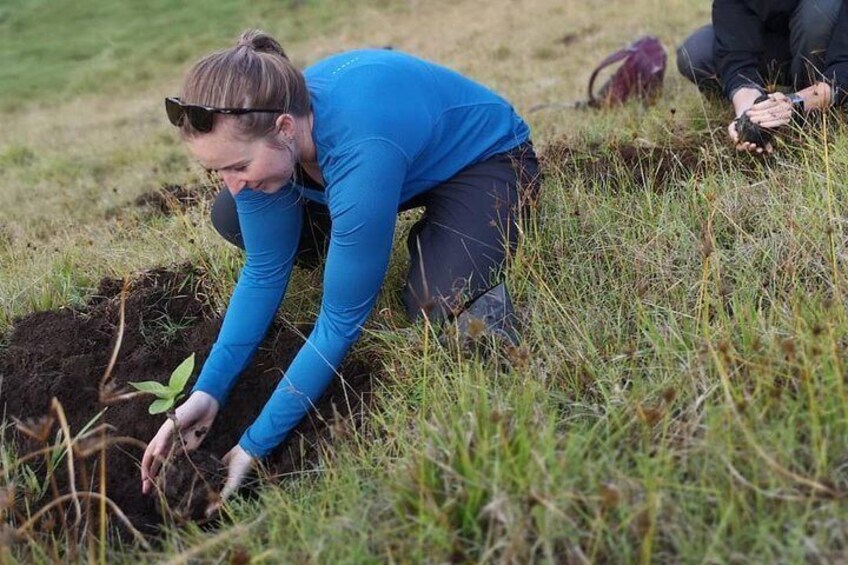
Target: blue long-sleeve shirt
{"x":387,"y":127}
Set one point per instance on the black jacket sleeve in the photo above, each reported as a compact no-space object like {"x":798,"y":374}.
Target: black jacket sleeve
{"x":738,"y":45}
{"x":836,"y":64}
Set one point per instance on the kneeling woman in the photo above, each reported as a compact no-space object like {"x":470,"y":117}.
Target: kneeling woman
{"x":319,"y":163}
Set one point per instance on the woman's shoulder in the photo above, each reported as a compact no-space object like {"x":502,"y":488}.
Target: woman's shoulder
{"x":359,"y":84}
{"x":343,"y":67}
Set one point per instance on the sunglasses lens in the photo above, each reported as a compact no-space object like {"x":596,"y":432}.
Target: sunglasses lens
{"x":175,"y":111}
{"x":199,"y":118}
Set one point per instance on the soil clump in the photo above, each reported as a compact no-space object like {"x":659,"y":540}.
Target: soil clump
{"x":64,"y":354}
{"x":752,"y":132}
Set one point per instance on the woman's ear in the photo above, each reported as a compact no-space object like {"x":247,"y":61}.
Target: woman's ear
{"x":285,"y":126}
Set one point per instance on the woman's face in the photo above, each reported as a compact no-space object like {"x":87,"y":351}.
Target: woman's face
{"x":256,"y":164}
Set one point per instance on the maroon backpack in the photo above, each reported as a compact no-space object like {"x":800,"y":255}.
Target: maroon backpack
{"x":640,"y":75}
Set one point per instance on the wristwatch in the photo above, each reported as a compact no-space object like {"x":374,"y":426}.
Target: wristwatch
{"x":798,"y":105}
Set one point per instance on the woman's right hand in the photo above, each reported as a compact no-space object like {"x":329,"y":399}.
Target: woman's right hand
{"x":193,"y":418}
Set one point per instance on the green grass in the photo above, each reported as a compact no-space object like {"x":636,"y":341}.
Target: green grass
{"x":681,"y":393}
{"x":51,"y":52}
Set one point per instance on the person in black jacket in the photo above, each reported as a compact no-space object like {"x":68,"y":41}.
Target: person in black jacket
{"x":756,"y":45}
{"x":830,"y":89}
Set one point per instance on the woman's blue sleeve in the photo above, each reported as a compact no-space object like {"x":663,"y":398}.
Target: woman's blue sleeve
{"x":270,"y":226}
{"x":363,"y":197}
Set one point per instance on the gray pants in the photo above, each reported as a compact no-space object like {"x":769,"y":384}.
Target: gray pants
{"x":468,"y":230}
{"x":792,"y":57}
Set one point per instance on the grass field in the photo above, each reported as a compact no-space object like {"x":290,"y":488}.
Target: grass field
{"x":681,"y":393}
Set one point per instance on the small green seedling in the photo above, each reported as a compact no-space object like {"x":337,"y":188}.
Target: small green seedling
{"x":167,"y":395}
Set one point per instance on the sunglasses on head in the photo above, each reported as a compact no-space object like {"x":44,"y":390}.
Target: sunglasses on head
{"x":200,"y":117}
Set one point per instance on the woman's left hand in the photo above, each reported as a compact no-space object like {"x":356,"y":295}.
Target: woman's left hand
{"x":772,"y":113}
{"x":238,"y":464}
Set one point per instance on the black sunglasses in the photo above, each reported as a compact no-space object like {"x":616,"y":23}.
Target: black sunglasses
{"x":200,"y":117}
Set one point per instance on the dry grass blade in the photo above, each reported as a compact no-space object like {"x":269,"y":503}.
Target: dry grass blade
{"x":107,"y":374}
{"x":225,"y":536}
{"x":26,"y":526}
{"x":814,"y":485}
{"x":734,"y":472}
{"x":110,"y":394}
{"x":37,"y":429}
{"x":84,"y":451}
{"x":56,"y":406}
{"x":103,"y":497}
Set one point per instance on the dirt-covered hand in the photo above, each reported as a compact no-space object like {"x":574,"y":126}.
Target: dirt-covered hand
{"x":745,"y":134}
{"x":774,"y":112}
{"x":239,"y":464}
{"x":193,"y":418}
{"x":740,"y":134}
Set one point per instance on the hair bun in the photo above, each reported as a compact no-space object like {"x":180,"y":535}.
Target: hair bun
{"x":260,"y":42}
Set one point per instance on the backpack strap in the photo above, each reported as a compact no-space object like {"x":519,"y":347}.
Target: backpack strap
{"x":614,"y":58}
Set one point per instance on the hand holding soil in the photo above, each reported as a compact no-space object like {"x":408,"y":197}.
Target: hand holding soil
{"x":194,"y":418}
{"x":749,"y":137}
{"x":746,"y":135}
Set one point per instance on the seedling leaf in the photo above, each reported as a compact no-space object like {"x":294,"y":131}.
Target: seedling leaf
{"x":180,"y":376}
{"x":153,"y":387}
{"x":167,"y":395}
{"x":161,"y":405}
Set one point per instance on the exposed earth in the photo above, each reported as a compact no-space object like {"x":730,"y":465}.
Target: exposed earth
{"x":625,"y":166}
{"x":64,"y":354}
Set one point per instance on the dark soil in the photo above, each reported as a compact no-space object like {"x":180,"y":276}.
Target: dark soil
{"x":752,"y":132}
{"x":625,"y":166}
{"x":64,"y":354}
{"x":188,"y":483}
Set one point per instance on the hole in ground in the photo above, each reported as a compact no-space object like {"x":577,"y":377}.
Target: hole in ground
{"x":64,"y":353}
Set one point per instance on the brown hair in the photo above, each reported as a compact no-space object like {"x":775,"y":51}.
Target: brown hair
{"x":256,"y":73}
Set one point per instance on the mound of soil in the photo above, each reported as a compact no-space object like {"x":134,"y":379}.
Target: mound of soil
{"x":64,"y":353}
{"x":625,"y":166}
